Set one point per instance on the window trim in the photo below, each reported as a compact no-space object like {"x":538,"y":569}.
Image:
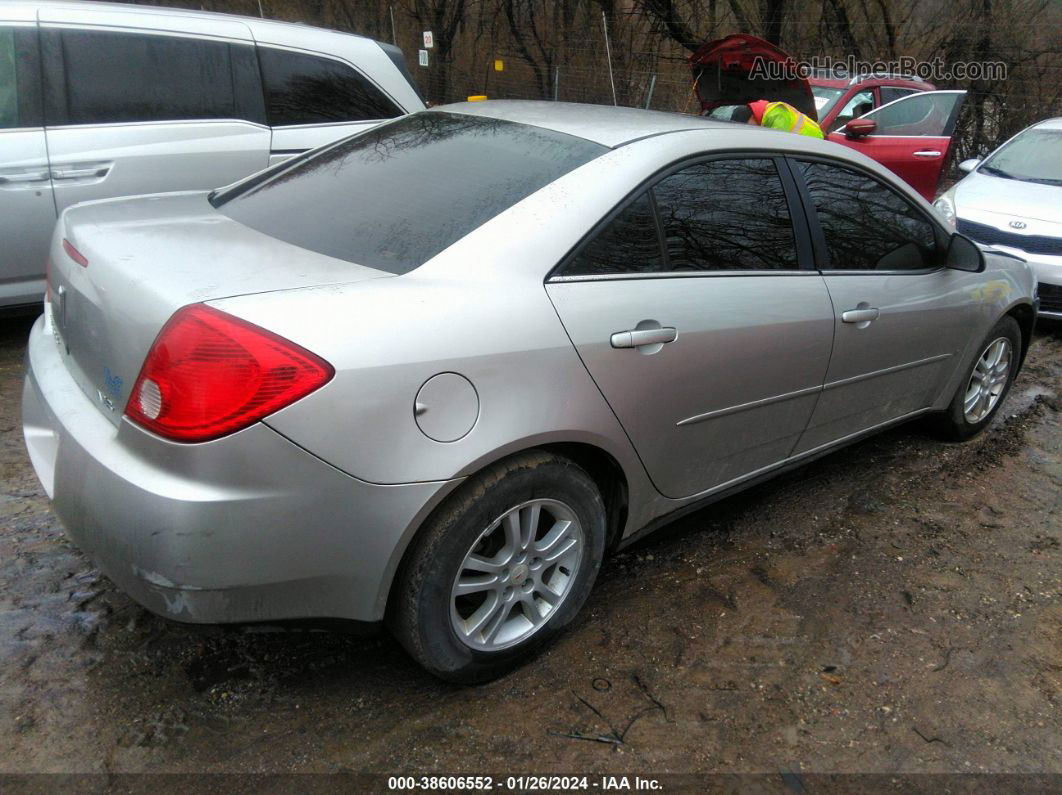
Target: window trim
{"x":259,"y":46}
{"x":55,"y":112}
{"x":801,"y":234}
{"x":940,"y":235}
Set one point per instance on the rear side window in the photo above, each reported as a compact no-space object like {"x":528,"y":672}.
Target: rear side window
{"x":630,"y":243}
{"x":889,"y":93}
{"x":130,"y":77}
{"x":867,"y":225}
{"x":19,"y":78}
{"x":306,"y":89}
{"x":726,"y":215}
{"x":394,"y":196}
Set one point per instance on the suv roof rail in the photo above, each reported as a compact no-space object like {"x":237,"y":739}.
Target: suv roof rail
{"x":878,"y":75}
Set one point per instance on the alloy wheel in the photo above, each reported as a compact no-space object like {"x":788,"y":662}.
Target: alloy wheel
{"x":516,"y":575}
{"x":988,"y":380}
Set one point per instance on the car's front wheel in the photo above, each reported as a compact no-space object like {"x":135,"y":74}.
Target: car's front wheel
{"x":986,"y":384}
{"x":504,"y":566}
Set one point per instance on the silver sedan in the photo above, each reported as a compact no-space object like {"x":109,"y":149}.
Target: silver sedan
{"x":432,"y":373}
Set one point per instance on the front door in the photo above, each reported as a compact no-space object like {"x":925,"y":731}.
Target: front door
{"x":148,"y":111}
{"x":912,"y":137}
{"x":692,"y":314}
{"x":901,"y":319}
{"x":27,"y":210}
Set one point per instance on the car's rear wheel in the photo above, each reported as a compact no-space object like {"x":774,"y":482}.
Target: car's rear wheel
{"x":501,"y":568}
{"x":986,"y":384}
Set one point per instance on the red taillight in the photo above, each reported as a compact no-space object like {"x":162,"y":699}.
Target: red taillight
{"x":74,"y":254}
{"x":209,"y":374}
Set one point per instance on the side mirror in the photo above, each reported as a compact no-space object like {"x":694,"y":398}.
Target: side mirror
{"x":964,"y":255}
{"x":857,"y":128}
{"x":966,"y":166}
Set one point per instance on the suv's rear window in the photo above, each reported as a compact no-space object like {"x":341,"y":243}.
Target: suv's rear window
{"x":395,"y":196}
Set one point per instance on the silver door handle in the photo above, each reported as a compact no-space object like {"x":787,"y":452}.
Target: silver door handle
{"x":80,"y":173}
{"x":860,"y":315}
{"x":15,"y":179}
{"x":638,"y":337}
{"x":927,"y":153}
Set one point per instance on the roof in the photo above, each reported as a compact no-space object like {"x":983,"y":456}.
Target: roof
{"x":604,"y":124}
{"x":83,"y":5}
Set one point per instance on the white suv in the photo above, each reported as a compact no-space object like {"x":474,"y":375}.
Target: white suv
{"x":101,"y":100}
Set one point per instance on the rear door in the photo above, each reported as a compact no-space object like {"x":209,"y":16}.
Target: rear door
{"x":27,"y":211}
{"x":902,"y":320}
{"x":912,"y":137}
{"x":313,"y":99}
{"x":691,"y":312}
{"x":133,"y":110}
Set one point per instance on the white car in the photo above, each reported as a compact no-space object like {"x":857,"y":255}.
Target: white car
{"x":1012,"y":201}
{"x":99,"y":101}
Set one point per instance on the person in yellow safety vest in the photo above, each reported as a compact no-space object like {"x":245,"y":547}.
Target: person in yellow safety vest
{"x":781,"y":116}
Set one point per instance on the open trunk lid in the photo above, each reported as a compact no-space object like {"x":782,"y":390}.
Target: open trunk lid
{"x":723,"y":71}
{"x":147,"y":257}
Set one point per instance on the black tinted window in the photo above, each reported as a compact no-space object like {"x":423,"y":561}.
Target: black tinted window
{"x":867,"y":225}
{"x":628,"y":244}
{"x":395,"y":196}
{"x":127,"y":77}
{"x":726,"y":215}
{"x":305,"y":89}
{"x":888,"y":94}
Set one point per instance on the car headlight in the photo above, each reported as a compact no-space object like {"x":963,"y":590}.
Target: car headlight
{"x":946,"y":204}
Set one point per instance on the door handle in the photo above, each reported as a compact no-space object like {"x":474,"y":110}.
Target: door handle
{"x":18,"y":179}
{"x":638,"y":337}
{"x":80,"y":173}
{"x":860,"y":315}
{"x":927,"y":153}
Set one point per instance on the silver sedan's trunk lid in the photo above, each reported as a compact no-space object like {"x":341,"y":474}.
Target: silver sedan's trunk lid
{"x":146,"y":258}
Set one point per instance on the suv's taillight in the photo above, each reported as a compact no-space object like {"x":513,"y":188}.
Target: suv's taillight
{"x":209,"y":374}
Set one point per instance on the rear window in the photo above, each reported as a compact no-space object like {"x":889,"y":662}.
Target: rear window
{"x":395,"y":196}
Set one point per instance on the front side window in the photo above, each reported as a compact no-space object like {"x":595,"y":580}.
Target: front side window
{"x":867,"y":225}
{"x":396,"y":195}
{"x":131,"y":77}
{"x":929,"y":113}
{"x":726,"y":215}
{"x":306,"y":89}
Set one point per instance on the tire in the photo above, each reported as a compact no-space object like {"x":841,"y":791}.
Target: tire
{"x":959,"y":422}
{"x":456,"y":636}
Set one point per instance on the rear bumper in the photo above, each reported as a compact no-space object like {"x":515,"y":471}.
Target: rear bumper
{"x":250,"y":527}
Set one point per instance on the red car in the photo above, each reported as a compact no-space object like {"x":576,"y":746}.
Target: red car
{"x":903,"y":122}
{"x":910,"y":136}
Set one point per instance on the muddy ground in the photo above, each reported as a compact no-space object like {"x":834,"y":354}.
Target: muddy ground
{"x":896,"y":607}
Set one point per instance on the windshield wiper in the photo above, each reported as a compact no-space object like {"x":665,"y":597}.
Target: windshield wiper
{"x":996,"y":172}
